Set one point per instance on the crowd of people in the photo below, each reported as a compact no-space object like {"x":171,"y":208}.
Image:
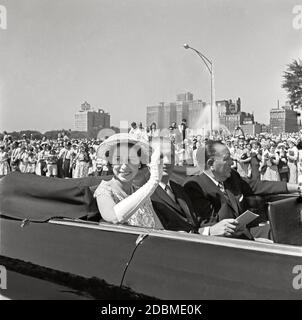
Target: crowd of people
{"x":232,"y":167}
{"x":63,"y":158}
{"x":262,"y":156}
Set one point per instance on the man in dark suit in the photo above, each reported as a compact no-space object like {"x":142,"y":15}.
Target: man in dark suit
{"x":218,"y":194}
{"x":170,"y":202}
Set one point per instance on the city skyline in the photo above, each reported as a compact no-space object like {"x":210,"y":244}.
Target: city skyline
{"x":123,"y":56}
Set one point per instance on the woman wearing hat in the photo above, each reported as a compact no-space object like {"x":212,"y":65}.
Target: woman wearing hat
{"x":119,"y":201}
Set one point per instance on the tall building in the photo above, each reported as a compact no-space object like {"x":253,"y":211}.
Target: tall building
{"x":195,"y":111}
{"x":169,"y":114}
{"x":155,"y":114}
{"x":231,"y":116}
{"x":188,"y":96}
{"x":222,"y":107}
{"x":251,"y":128}
{"x":91,"y":121}
{"x":182,"y":112}
{"x":234,"y":107}
{"x":283,"y":120}
{"x":183,"y":108}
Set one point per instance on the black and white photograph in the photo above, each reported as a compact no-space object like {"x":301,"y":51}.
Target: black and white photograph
{"x":151,"y":150}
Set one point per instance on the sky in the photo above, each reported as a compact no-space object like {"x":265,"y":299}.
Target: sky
{"x":125,"y":55}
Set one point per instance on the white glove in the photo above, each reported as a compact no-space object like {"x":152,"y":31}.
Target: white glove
{"x":156,"y":166}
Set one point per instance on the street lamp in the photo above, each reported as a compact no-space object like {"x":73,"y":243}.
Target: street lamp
{"x":210,"y":67}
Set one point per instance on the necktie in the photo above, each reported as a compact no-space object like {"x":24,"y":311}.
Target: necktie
{"x":222,"y":189}
{"x":228,"y":196}
{"x":169,"y":192}
{"x":183,"y":209}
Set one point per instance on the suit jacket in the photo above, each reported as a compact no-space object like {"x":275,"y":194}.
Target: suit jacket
{"x":174,"y":215}
{"x":211,"y":205}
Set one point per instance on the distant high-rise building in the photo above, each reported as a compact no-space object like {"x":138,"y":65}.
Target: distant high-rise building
{"x":184,"y":108}
{"x":169,"y":114}
{"x":252,"y":128}
{"x":234,"y":107}
{"x":91,"y":121}
{"x":195,"y":110}
{"x":155,"y":114}
{"x":222,"y":107}
{"x":233,"y":117}
{"x":283,"y":120}
{"x":187,"y":96}
{"x":182,"y":112}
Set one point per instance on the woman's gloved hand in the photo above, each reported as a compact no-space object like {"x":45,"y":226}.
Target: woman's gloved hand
{"x":156,"y":165}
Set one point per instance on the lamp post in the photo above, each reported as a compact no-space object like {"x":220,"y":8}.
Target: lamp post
{"x":210,"y":66}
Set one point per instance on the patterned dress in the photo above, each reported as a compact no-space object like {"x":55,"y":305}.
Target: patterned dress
{"x":81,"y":167}
{"x":143,"y":217}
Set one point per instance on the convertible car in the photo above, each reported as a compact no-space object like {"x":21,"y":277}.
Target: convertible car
{"x":61,"y":256}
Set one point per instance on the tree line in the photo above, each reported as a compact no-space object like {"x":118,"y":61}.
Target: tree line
{"x":52,"y":134}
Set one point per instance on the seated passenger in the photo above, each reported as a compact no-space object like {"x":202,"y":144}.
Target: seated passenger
{"x":119,"y":200}
{"x":170,"y":201}
{"x":218,"y":194}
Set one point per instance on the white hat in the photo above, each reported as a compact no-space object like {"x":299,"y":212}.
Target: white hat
{"x":119,"y":138}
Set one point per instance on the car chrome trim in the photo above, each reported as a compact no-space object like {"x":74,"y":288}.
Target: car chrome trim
{"x":184,"y":236}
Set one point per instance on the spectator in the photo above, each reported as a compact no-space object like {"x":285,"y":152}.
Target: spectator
{"x":153,"y":132}
{"x":4,"y":166}
{"x":256,"y":157}
{"x":269,"y":164}
{"x":32,"y":160}
{"x":23,"y":159}
{"x":66,"y":154}
{"x":292,"y":157}
{"x":82,"y":162}
{"x":282,"y":166}
{"x":51,"y":163}
{"x":243,"y":158}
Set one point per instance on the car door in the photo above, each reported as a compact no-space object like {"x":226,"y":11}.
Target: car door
{"x":176,"y":265}
{"x":74,"y":253}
